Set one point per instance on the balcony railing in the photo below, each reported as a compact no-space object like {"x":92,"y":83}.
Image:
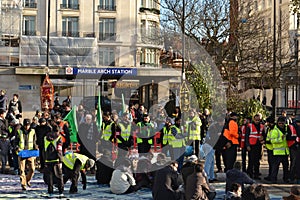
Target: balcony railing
{"x":107,"y":36}
{"x":30,"y":5}
{"x":70,"y":34}
{"x":29,"y":32}
{"x":69,"y":6}
{"x":107,"y":7}
{"x":153,"y":10}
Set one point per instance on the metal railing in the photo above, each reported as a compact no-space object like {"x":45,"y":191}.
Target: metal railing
{"x":70,"y":34}
{"x":69,"y":6}
{"x":107,"y":7}
{"x":30,"y":5}
{"x":107,"y":36}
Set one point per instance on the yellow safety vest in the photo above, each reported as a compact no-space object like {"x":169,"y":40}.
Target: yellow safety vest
{"x":268,"y":139}
{"x":70,"y":158}
{"x":107,"y":132}
{"x":143,"y":133}
{"x":125,"y":132}
{"x":280,"y":146}
{"x":53,"y":142}
{"x":31,"y":135}
{"x":177,"y":143}
{"x":195,"y":134}
{"x":167,"y":135}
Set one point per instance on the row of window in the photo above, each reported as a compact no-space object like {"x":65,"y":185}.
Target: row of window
{"x":103,"y":4}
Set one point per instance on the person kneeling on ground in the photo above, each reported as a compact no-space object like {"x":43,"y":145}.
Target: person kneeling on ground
{"x":122,"y":180}
{"x":73,"y":164}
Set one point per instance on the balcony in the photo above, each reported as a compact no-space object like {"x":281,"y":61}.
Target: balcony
{"x":30,"y":5}
{"x":69,"y":6}
{"x":70,"y":34}
{"x":107,"y":37}
{"x":107,"y":7}
{"x":152,"y":10}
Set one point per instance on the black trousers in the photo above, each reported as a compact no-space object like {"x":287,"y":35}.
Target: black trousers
{"x":244,"y":159}
{"x":73,"y":175}
{"x":51,"y":170}
{"x":270,"y":161}
{"x":218,"y":155}
{"x":275,"y":168}
{"x":229,"y":157}
{"x":196,"y":145}
{"x":254,"y":156}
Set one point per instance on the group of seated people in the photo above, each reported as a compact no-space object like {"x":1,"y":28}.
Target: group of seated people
{"x":125,"y":175}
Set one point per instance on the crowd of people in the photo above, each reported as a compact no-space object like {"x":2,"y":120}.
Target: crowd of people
{"x":119,"y":151}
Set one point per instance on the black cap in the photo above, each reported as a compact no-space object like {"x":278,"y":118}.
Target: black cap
{"x":41,"y":120}
{"x":233,"y":114}
{"x":270,"y":120}
{"x":145,"y":115}
{"x":281,"y":119}
{"x":26,"y":122}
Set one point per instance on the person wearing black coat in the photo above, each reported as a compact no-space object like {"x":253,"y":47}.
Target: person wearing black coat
{"x":41,"y":131}
{"x":165,"y":184}
{"x":104,"y":167}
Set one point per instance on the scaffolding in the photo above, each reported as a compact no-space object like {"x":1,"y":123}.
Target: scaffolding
{"x":10,"y":31}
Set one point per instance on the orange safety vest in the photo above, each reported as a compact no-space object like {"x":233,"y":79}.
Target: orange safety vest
{"x":254,"y":135}
{"x":294,"y":133}
{"x":62,"y":133}
{"x":243,"y":134}
{"x":232,"y":133}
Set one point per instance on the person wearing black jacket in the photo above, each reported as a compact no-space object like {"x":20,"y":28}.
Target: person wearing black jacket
{"x":53,"y":160}
{"x":41,"y":131}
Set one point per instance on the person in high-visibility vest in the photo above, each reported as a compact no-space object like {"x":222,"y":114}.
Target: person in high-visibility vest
{"x":178,"y":139}
{"x":165,"y":138}
{"x":64,"y":131}
{"x":231,"y":133}
{"x":124,"y":136}
{"x":53,"y":160}
{"x":145,"y":134}
{"x":242,"y":146}
{"x":108,"y":132}
{"x":73,"y":164}
{"x":270,"y":124}
{"x":254,"y":139}
{"x":194,"y":131}
{"x":293,"y":141}
{"x":280,"y":150}
{"x":26,"y":140}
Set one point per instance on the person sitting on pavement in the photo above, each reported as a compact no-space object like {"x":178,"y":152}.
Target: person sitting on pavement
{"x":166,"y":184}
{"x":236,"y":175}
{"x":188,"y":168}
{"x":294,"y":193}
{"x":197,"y":186}
{"x":73,"y":164}
{"x":255,"y":192}
{"x":235,"y":192}
{"x":104,"y":166}
{"x":144,"y":174}
{"x":122,"y":180}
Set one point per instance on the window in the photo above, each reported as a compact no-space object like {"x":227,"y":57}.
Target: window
{"x":107,"y":5}
{"x":148,"y":57}
{"x":149,"y":4}
{"x":107,"y":56}
{"x":29,"y":3}
{"x":70,"y":4}
{"x":107,"y":29}
{"x":29,"y":25}
{"x":70,"y":26}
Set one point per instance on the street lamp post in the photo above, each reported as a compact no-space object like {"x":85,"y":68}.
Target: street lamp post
{"x":274,"y":61}
{"x":48,"y":34}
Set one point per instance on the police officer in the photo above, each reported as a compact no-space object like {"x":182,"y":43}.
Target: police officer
{"x":194,"y":131}
{"x":108,"y":132}
{"x":280,"y":149}
{"x":73,"y":164}
{"x":26,"y":140}
{"x":254,"y":140}
{"x":165,"y":138}
{"x":270,"y":125}
{"x":145,"y":134}
{"x":124,"y":137}
{"x":178,"y":139}
{"x":53,"y":160}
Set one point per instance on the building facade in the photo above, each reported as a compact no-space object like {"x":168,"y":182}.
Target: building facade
{"x":84,"y":46}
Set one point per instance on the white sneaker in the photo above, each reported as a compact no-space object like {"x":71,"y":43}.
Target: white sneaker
{"x":61,"y":195}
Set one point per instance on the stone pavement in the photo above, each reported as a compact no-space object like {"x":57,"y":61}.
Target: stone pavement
{"x":10,"y":188}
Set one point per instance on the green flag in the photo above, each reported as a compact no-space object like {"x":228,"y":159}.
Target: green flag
{"x":99,"y":114}
{"x":73,"y":128}
{"x":123,"y":104}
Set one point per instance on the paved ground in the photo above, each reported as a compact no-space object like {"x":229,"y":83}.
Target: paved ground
{"x":10,"y":189}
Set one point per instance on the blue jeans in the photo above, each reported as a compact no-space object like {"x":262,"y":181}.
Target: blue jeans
{"x":210,"y":164}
